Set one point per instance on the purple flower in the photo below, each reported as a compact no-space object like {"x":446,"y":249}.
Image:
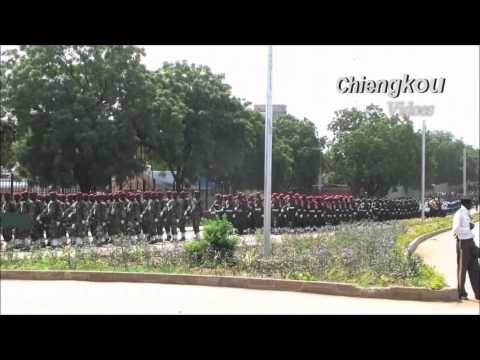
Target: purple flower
{"x":347,"y":255}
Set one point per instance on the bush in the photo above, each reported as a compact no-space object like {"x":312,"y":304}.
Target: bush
{"x":218,"y":243}
{"x":196,"y":250}
{"x":293,"y":275}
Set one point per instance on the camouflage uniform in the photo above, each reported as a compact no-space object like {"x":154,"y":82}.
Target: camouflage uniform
{"x":182,"y":213}
{"x":133,"y":217}
{"x":28,"y":209}
{"x":20,"y":234}
{"x":99,"y":215}
{"x":157,"y":206}
{"x":8,"y":206}
{"x":242,"y":214}
{"x":196,"y":211}
{"x":147,"y":217}
{"x":37,"y":229}
{"x":53,"y":217}
{"x":117,"y":217}
{"x":216,"y":208}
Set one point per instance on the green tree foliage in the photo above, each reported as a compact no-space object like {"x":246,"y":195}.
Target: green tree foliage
{"x":369,"y":150}
{"x":249,"y":175}
{"x":305,"y":147}
{"x":198,"y":128}
{"x":78,"y":110}
{"x":374,"y":153}
{"x":296,"y":154}
{"x":7,"y":124}
{"x":446,"y":160}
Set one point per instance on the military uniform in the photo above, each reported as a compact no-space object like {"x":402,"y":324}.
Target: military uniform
{"x":54,"y":228}
{"x":157,"y":227}
{"x":21,"y":233}
{"x":171,"y":219}
{"x":182,"y":214}
{"x":216,"y":208}
{"x":147,"y":217}
{"x":196,"y":213}
{"x":100,"y":220}
{"x":9,"y":206}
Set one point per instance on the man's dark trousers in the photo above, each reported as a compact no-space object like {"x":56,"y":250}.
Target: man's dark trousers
{"x":467,"y":260}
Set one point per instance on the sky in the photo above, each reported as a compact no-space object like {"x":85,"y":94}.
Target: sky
{"x":305,"y":78}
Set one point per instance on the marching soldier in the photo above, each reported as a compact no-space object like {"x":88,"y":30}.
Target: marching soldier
{"x":54,"y":214}
{"x":8,"y":207}
{"x":182,"y":213}
{"x":36,"y":208}
{"x":196,"y":213}
{"x":20,"y":233}
{"x":147,"y":217}
{"x":229,"y":208}
{"x":28,"y":209}
{"x":171,"y":211}
{"x":216,"y":208}
{"x":117,"y":217}
{"x":275,"y":213}
{"x":157,"y":227}
{"x":100,"y":217}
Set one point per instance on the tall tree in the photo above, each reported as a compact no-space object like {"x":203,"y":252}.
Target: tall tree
{"x":371,"y":152}
{"x":306,"y":150}
{"x":7,"y":123}
{"x":198,"y":127}
{"x":80,"y":111}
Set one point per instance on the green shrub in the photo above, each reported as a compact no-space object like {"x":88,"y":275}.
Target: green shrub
{"x":293,"y":275}
{"x":218,"y":243}
{"x":196,"y":250}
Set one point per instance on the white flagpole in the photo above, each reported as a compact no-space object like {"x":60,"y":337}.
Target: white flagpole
{"x":267,"y":248}
{"x":423,"y":171}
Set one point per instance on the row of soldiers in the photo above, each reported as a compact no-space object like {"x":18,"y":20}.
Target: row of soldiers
{"x":108,"y":218}
{"x":304,"y":213}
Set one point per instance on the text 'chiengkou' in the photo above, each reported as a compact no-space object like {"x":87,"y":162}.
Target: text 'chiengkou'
{"x":393,"y":87}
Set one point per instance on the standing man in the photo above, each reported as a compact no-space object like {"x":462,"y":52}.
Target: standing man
{"x":466,"y":250}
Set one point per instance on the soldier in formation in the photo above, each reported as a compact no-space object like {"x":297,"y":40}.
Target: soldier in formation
{"x":295,"y":212}
{"x":99,"y":219}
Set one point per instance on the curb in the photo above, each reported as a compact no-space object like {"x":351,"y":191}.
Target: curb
{"x":315,"y":287}
{"x":417,"y":241}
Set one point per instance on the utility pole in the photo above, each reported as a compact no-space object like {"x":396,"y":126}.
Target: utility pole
{"x":423,"y":172}
{"x":267,"y":246}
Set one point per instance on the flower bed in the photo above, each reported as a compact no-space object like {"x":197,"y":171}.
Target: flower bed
{"x":367,"y":254}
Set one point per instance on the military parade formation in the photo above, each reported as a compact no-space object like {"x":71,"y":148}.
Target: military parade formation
{"x":112,"y":218}
{"x":102,"y":218}
{"x":295,"y":212}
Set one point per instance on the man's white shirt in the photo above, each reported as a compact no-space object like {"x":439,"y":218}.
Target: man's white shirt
{"x":461,"y":224}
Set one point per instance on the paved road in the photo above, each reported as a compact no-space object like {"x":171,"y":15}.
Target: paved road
{"x":78,"y":297}
{"x":440,"y":252}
